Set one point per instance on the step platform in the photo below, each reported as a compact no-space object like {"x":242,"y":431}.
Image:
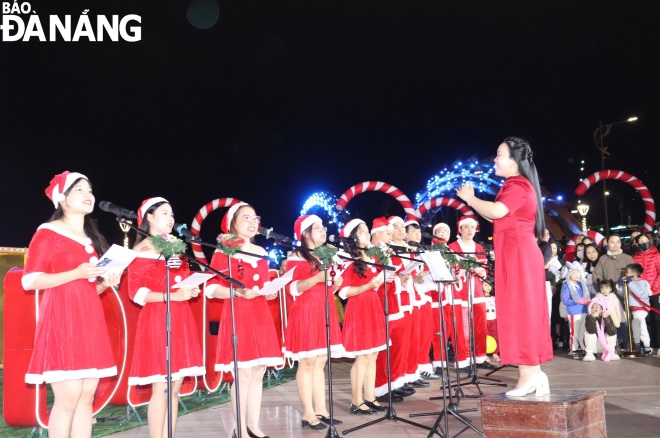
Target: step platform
{"x":562,"y":413}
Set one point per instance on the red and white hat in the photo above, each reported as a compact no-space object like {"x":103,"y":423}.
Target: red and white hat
{"x":146,"y":205}
{"x":302,"y":223}
{"x":380,"y":224}
{"x":467,"y":220}
{"x":410,"y":222}
{"x":349,"y":227}
{"x":60,"y":184}
{"x":392,"y":219}
{"x":226,"y":220}
{"x":440,"y":225}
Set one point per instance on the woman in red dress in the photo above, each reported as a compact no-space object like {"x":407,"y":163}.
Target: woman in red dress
{"x":523,"y":322}
{"x":306,"y":337}
{"x":364,"y":324}
{"x":147,"y":287}
{"x":72,"y":348}
{"x":258,"y":346}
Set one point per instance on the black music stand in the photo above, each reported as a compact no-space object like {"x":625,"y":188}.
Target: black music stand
{"x":390,"y":414}
{"x":473,"y":364}
{"x":440,"y":274}
{"x":191,"y":238}
{"x":332,"y":432}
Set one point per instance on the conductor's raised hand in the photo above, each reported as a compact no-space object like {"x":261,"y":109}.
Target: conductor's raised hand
{"x":465,"y":192}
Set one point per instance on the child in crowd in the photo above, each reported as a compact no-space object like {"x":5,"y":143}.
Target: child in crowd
{"x":491,"y":316}
{"x":639,"y":291}
{"x":600,"y":325}
{"x":575,"y":296}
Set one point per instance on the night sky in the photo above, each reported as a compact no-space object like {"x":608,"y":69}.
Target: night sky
{"x":278,"y":100}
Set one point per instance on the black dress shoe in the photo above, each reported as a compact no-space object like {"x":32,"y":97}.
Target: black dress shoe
{"x":466,"y":371}
{"x":252,"y":435}
{"x":384,"y":398}
{"x":317,"y":426}
{"x":419,"y":384}
{"x":326,"y":420}
{"x":404,"y":392}
{"x":374,"y":406}
{"x":356,"y":410}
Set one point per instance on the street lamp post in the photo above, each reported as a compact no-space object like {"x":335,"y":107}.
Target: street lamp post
{"x":583,"y":209}
{"x":602,"y":131}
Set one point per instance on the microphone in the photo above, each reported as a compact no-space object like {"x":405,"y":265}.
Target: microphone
{"x":117,"y":211}
{"x":270,"y":234}
{"x":427,"y":235}
{"x":183,"y":231}
{"x":336,"y":239}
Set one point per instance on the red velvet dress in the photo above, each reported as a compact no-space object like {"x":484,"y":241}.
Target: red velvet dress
{"x":364,"y":322}
{"x":147,"y":273}
{"x":255,"y":329}
{"x":523,"y":323}
{"x":71,"y":340}
{"x":306,"y":334}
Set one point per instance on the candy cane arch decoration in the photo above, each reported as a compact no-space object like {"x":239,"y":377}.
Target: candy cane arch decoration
{"x":593,"y":235}
{"x":649,"y":204}
{"x":199,"y":218}
{"x":378,"y":186}
{"x":445,"y":202}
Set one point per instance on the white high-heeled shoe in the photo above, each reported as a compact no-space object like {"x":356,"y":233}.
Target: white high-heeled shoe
{"x":538,"y":382}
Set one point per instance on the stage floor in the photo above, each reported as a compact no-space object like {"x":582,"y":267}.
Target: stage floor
{"x":632,"y":403}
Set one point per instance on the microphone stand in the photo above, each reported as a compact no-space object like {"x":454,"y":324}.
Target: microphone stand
{"x":234,"y":336}
{"x":451,"y":407}
{"x":390,"y":414}
{"x":332,"y":432}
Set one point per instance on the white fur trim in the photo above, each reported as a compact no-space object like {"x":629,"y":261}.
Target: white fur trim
{"x":141,"y":295}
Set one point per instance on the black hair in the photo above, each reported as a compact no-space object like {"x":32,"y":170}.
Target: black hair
{"x":521,"y":153}
{"x":605,"y":281}
{"x":144,"y":226}
{"x":636,"y":268}
{"x":307,"y":252}
{"x":354,"y":249}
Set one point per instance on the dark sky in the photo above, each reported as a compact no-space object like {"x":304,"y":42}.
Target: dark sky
{"x":281,"y":99}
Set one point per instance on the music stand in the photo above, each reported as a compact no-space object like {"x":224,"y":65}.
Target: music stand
{"x":390,"y":414}
{"x":196,"y":239}
{"x":440,"y":274}
{"x":473,"y":363}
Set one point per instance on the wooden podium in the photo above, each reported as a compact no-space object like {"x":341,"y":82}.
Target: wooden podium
{"x":562,"y":413}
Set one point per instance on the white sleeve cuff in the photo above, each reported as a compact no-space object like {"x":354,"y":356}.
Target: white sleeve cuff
{"x":209,"y":289}
{"x":28,"y":279}
{"x":141,"y":295}
{"x":293,"y":289}
{"x":343,"y":292}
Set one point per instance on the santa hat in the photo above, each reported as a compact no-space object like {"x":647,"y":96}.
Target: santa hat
{"x":411,"y":222}
{"x":467,"y":220}
{"x":226,"y":220}
{"x":380,"y":224}
{"x":392,"y":219}
{"x":440,"y":225}
{"x":60,"y":184}
{"x":349,"y":227}
{"x":146,"y":205}
{"x":301,"y":224}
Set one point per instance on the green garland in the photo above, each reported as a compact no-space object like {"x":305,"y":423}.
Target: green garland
{"x":383,"y":255}
{"x":229,"y":244}
{"x":450,"y":257}
{"x":168,"y":245}
{"x":325,"y":254}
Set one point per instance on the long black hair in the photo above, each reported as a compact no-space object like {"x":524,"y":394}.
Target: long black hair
{"x":89,"y":225}
{"x":307,"y":253}
{"x":144,"y":226}
{"x":521,"y":153}
{"x":354,"y":249}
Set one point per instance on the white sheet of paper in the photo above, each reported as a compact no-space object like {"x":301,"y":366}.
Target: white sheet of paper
{"x":194,"y":280}
{"x":116,"y":259}
{"x":411,"y":266}
{"x":277,"y":284}
{"x":437,"y":266}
